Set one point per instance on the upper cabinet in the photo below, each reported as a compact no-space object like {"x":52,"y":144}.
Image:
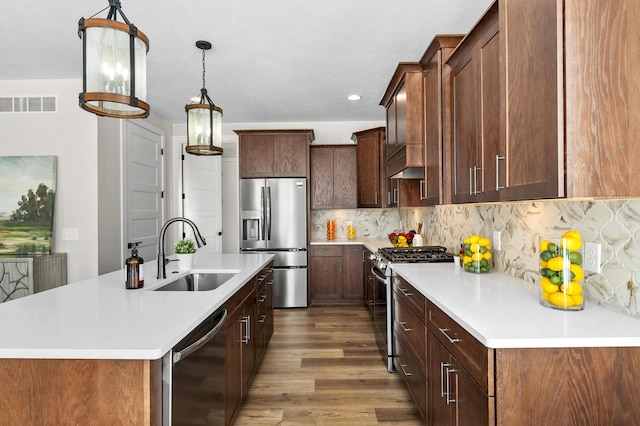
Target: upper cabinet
{"x":404,"y":103}
{"x":544,"y":100}
{"x":437,"y":106}
{"x":370,"y":169}
{"x":274,"y":153}
{"x":475,"y":112}
{"x":333,"y":177}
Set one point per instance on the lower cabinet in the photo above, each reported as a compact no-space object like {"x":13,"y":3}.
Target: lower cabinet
{"x":409,"y":336}
{"x":249,"y":329}
{"x":335,"y":274}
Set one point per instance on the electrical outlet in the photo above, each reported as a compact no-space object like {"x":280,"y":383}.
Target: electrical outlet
{"x":497,"y":243}
{"x":592,"y":258}
{"x":70,"y":234}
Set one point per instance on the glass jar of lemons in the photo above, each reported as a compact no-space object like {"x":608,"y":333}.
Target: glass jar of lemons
{"x":477,"y":254}
{"x":561,"y":273}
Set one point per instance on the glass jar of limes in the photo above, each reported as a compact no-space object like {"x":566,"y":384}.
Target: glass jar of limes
{"x":561,"y":272}
{"x":477,"y":254}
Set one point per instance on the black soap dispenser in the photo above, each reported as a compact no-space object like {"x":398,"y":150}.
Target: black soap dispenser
{"x":135,"y":268}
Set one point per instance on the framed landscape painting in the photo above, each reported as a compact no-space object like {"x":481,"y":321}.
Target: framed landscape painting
{"x":27,"y":200}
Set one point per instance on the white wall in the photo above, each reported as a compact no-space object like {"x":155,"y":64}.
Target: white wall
{"x":71,"y":135}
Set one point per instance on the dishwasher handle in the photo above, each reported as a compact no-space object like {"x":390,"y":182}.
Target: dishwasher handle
{"x":180,"y":355}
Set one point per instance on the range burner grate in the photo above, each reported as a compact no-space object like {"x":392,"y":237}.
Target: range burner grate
{"x":424,"y":254}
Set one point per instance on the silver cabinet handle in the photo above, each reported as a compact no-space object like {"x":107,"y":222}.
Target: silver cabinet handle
{"x":262,"y":298}
{"x":443,"y":365}
{"x":498,"y":158}
{"x":423,"y":189}
{"x":448,"y":393}
{"x":405,"y":329}
{"x":247,"y":335}
{"x":405,"y":292}
{"x":471,"y":180}
{"x":262,"y":319}
{"x":444,"y":331}
{"x":395,"y":195}
{"x":376,"y":198}
{"x":402,"y":367}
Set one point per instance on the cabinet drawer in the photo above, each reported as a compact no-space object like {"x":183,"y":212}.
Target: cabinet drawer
{"x":473,"y":356}
{"x":412,"y":373}
{"x":325,"y":251}
{"x":410,"y":296}
{"x":407,"y":325}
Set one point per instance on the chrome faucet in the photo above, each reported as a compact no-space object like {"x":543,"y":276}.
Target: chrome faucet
{"x":162,"y":259}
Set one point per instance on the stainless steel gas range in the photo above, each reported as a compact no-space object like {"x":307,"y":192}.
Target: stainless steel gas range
{"x":382,"y":271}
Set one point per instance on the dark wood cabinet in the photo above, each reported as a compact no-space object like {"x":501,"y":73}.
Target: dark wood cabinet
{"x":410,"y":334}
{"x":336,"y":274}
{"x":274,"y":153}
{"x":333,"y":176}
{"x":249,"y":329}
{"x":404,"y":104}
{"x":475,"y":82}
{"x":370,"y":167}
{"x":435,"y":186}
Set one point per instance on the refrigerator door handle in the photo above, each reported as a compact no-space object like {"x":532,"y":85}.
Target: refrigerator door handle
{"x":262,"y":214}
{"x":268,"y":209}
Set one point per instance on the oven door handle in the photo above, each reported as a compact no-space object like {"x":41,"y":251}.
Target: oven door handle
{"x":377,"y":276}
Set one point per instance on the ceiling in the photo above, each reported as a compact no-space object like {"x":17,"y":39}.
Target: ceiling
{"x":272,"y":60}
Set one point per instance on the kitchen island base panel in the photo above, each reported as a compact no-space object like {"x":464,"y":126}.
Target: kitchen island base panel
{"x":588,"y":386}
{"x":75,"y":392}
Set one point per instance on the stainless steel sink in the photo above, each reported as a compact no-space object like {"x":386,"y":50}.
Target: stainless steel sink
{"x":201,"y":281}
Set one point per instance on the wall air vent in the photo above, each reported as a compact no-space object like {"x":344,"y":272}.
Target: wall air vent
{"x":29,"y":104}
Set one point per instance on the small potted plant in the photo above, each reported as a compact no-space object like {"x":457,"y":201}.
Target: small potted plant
{"x":185,"y":250}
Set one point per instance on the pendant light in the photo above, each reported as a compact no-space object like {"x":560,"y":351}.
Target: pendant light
{"x":114,"y":66}
{"x":204,"y":118}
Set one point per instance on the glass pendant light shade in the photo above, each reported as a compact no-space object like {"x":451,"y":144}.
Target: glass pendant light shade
{"x":204,"y":118}
{"x":114,"y":67}
{"x":204,"y":129}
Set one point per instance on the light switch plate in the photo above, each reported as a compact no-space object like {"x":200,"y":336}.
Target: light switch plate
{"x":70,"y":234}
{"x":592,"y":258}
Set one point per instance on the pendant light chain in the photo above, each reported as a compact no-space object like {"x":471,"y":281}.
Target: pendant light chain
{"x":204,"y":68}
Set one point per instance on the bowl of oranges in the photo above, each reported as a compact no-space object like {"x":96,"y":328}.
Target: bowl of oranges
{"x":476,"y":254}
{"x":561,"y":272}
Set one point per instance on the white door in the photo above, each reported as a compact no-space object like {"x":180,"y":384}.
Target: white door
{"x":143,"y":181}
{"x":202,"y":197}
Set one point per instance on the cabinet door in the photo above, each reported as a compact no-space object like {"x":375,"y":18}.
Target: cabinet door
{"x":401,"y":119}
{"x":465,"y":127}
{"x":321,"y":177}
{"x":352,"y":288}
{"x":325,"y":279}
{"x":345,"y":177}
{"x":233,"y":367}
{"x":438,"y":361}
{"x":248,"y":342}
{"x":256,"y":156}
{"x":392,"y":137}
{"x":392,"y":192}
{"x":290,"y":154}
{"x":471,"y":406}
{"x":488,"y":61}
{"x":369,"y":156}
{"x":534,"y":142}
{"x":430,"y":190}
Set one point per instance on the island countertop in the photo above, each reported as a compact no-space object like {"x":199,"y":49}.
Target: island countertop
{"x":98,"y":318}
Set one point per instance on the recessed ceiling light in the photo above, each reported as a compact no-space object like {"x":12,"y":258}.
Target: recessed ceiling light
{"x":354,"y":97}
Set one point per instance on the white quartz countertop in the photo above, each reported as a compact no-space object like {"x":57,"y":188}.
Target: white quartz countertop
{"x":504,"y":312}
{"x":98,"y":318}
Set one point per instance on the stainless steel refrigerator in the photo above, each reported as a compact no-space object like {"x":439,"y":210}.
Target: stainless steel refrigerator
{"x":273,"y":215}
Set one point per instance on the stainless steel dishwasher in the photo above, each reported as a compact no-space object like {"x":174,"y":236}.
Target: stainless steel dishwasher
{"x":193,"y":376}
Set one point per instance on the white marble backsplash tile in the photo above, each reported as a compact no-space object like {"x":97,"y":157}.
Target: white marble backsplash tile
{"x":614,"y":223}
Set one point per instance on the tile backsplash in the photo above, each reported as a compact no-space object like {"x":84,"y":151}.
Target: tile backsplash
{"x":613,"y":223}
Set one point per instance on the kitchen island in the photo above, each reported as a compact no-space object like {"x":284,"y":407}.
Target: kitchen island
{"x":91,"y":351}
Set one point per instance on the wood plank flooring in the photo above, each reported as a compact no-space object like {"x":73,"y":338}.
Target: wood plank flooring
{"x":322,"y":366}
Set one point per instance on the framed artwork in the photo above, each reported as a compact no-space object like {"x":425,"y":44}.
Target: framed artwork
{"x":27,"y":203}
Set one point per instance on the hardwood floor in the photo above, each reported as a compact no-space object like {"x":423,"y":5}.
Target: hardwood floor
{"x":323,"y":367}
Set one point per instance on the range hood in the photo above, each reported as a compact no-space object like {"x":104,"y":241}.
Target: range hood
{"x":409,"y":173}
